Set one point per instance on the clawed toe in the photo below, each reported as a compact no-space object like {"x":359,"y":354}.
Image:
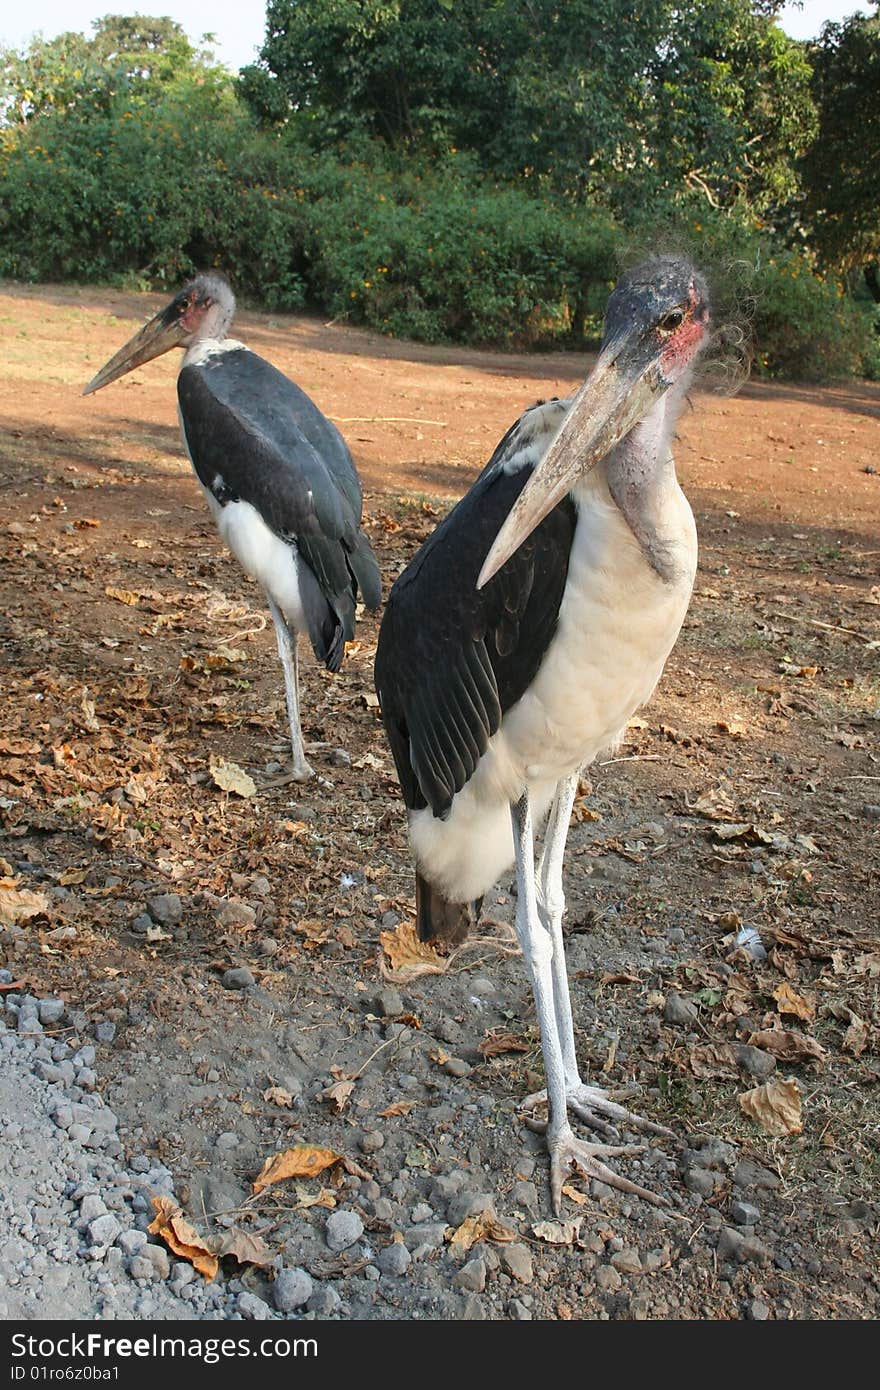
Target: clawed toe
{"x":568,"y":1154}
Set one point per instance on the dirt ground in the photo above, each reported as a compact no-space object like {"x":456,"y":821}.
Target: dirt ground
{"x":746,"y":796}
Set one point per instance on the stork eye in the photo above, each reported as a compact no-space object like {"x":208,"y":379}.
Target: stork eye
{"x":671,"y":321}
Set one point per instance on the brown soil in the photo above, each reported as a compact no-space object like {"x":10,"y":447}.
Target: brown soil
{"x":748,"y":794}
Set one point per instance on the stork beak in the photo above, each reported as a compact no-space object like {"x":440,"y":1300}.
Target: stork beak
{"x":156,"y":337}
{"x":613,"y":399}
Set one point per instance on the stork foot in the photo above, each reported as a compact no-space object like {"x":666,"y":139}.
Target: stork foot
{"x":571,"y":1155}
{"x":299,"y":772}
{"x":595,"y":1109}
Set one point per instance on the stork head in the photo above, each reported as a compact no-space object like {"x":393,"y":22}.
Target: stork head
{"x":203,"y":309}
{"x":656,"y":323}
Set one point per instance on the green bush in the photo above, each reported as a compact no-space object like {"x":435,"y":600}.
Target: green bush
{"x":148,"y":193}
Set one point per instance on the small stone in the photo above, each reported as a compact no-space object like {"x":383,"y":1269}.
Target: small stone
{"x":387,"y":1003}
{"x":268,"y":946}
{"x":607,"y":1279}
{"x":166,"y":908}
{"x":627,"y":1261}
{"x":524,"y":1194}
{"x":680,"y":1010}
{"x":429,"y":1236}
{"x":469,"y":1204}
{"x":518,"y":1311}
{"x":238,"y":978}
{"x":51,"y":1011}
{"x":516,"y":1260}
{"x":734,"y":1245}
{"x":105,"y":1032}
{"x":700,"y":1180}
{"x":142,"y":923}
{"x":324,"y":1302}
{"x":758,"y":1310}
{"x":744,"y":1214}
{"x":482,"y":986}
{"x":158,"y":1257}
{"x":343,"y":1229}
{"x":236,"y":914}
{"x":472,"y":1276}
{"x":131,"y":1242}
{"x":755,"y":1061}
{"x":748,"y":1174}
{"x":421,"y":1212}
{"x":456,"y":1066}
{"x":371,"y":1142}
{"x":383,"y":1208}
{"x":395,"y":1259}
{"x":473,"y":1310}
{"x":226,"y":1141}
{"x":252,"y":1308}
{"x":91,"y":1207}
{"x":340,"y":758}
{"x":103,"y":1230}
{"x":292,"y":1288}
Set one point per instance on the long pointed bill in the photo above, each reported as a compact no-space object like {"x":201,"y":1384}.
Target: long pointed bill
{"x":608,"y":405}
{"x":151,"y":341}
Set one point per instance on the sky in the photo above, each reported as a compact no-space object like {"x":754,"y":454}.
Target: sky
{"x":239,"y":28}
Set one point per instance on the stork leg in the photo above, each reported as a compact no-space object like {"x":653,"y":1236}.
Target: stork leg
{"x":301,"y":770}
{"x":590,"y":1103}
{"x":566,"y":1151}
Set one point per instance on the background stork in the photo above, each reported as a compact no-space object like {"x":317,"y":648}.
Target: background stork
{"x":278,"y":477}
{"x":510,"y":658}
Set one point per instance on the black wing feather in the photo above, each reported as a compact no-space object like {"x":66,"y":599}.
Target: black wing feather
{"x":452,"y":659}
{"x":251,"y":427}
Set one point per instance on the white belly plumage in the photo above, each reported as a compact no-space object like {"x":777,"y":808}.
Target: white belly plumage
{"x":262,"y":554}
{"x":618,"y":622}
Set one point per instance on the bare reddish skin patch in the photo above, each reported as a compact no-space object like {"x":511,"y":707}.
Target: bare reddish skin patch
{"x":193,"y":315}
{"x":683,"y":343}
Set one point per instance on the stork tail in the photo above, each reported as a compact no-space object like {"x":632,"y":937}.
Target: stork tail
{"x":439,"y":919}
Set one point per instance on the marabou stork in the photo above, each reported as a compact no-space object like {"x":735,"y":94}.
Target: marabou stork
{"x":521,"y":638}
{"x":278,"y":477}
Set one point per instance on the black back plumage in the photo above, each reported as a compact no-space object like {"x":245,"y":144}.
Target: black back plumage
{"x":255,"y":437}
{"x":451,"y":660}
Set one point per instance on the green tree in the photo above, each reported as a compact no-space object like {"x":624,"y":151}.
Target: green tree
{"x":598,"y":98}
{"x":842,"y":166}
{"x":128,"y":56}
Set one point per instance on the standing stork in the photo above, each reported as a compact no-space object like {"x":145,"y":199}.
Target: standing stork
{"x":521,"y":638}
{"x":277,"y":475}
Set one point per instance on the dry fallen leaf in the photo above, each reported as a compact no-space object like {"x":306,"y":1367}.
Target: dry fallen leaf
{"x":788,"y":1045}
{"x":126,"y":596}
{"x":481,"y":1226}
{"x":776,"y":1106}
{"x":302,"y":1161}
{"x":558,"y":1232}
{"x":710,"y":1060}
{"x":400,"y":1107}
{"x":498,"y":1041}
{"x":306,"y":1199}
{"x":581,"y":1198}
{"x":788,"y":1001}
{"x":407,"y":957}
{"x":229,"y":777}
{"x":179,"y":1236}
{"x":20,"y":904}
{"x":339,"y":1093}
{"x":247,"y":1249}
{"x":855,"y":1039}
{"x":276,"y":1095}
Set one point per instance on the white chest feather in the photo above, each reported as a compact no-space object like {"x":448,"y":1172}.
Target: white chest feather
{"x":618,"y":622}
